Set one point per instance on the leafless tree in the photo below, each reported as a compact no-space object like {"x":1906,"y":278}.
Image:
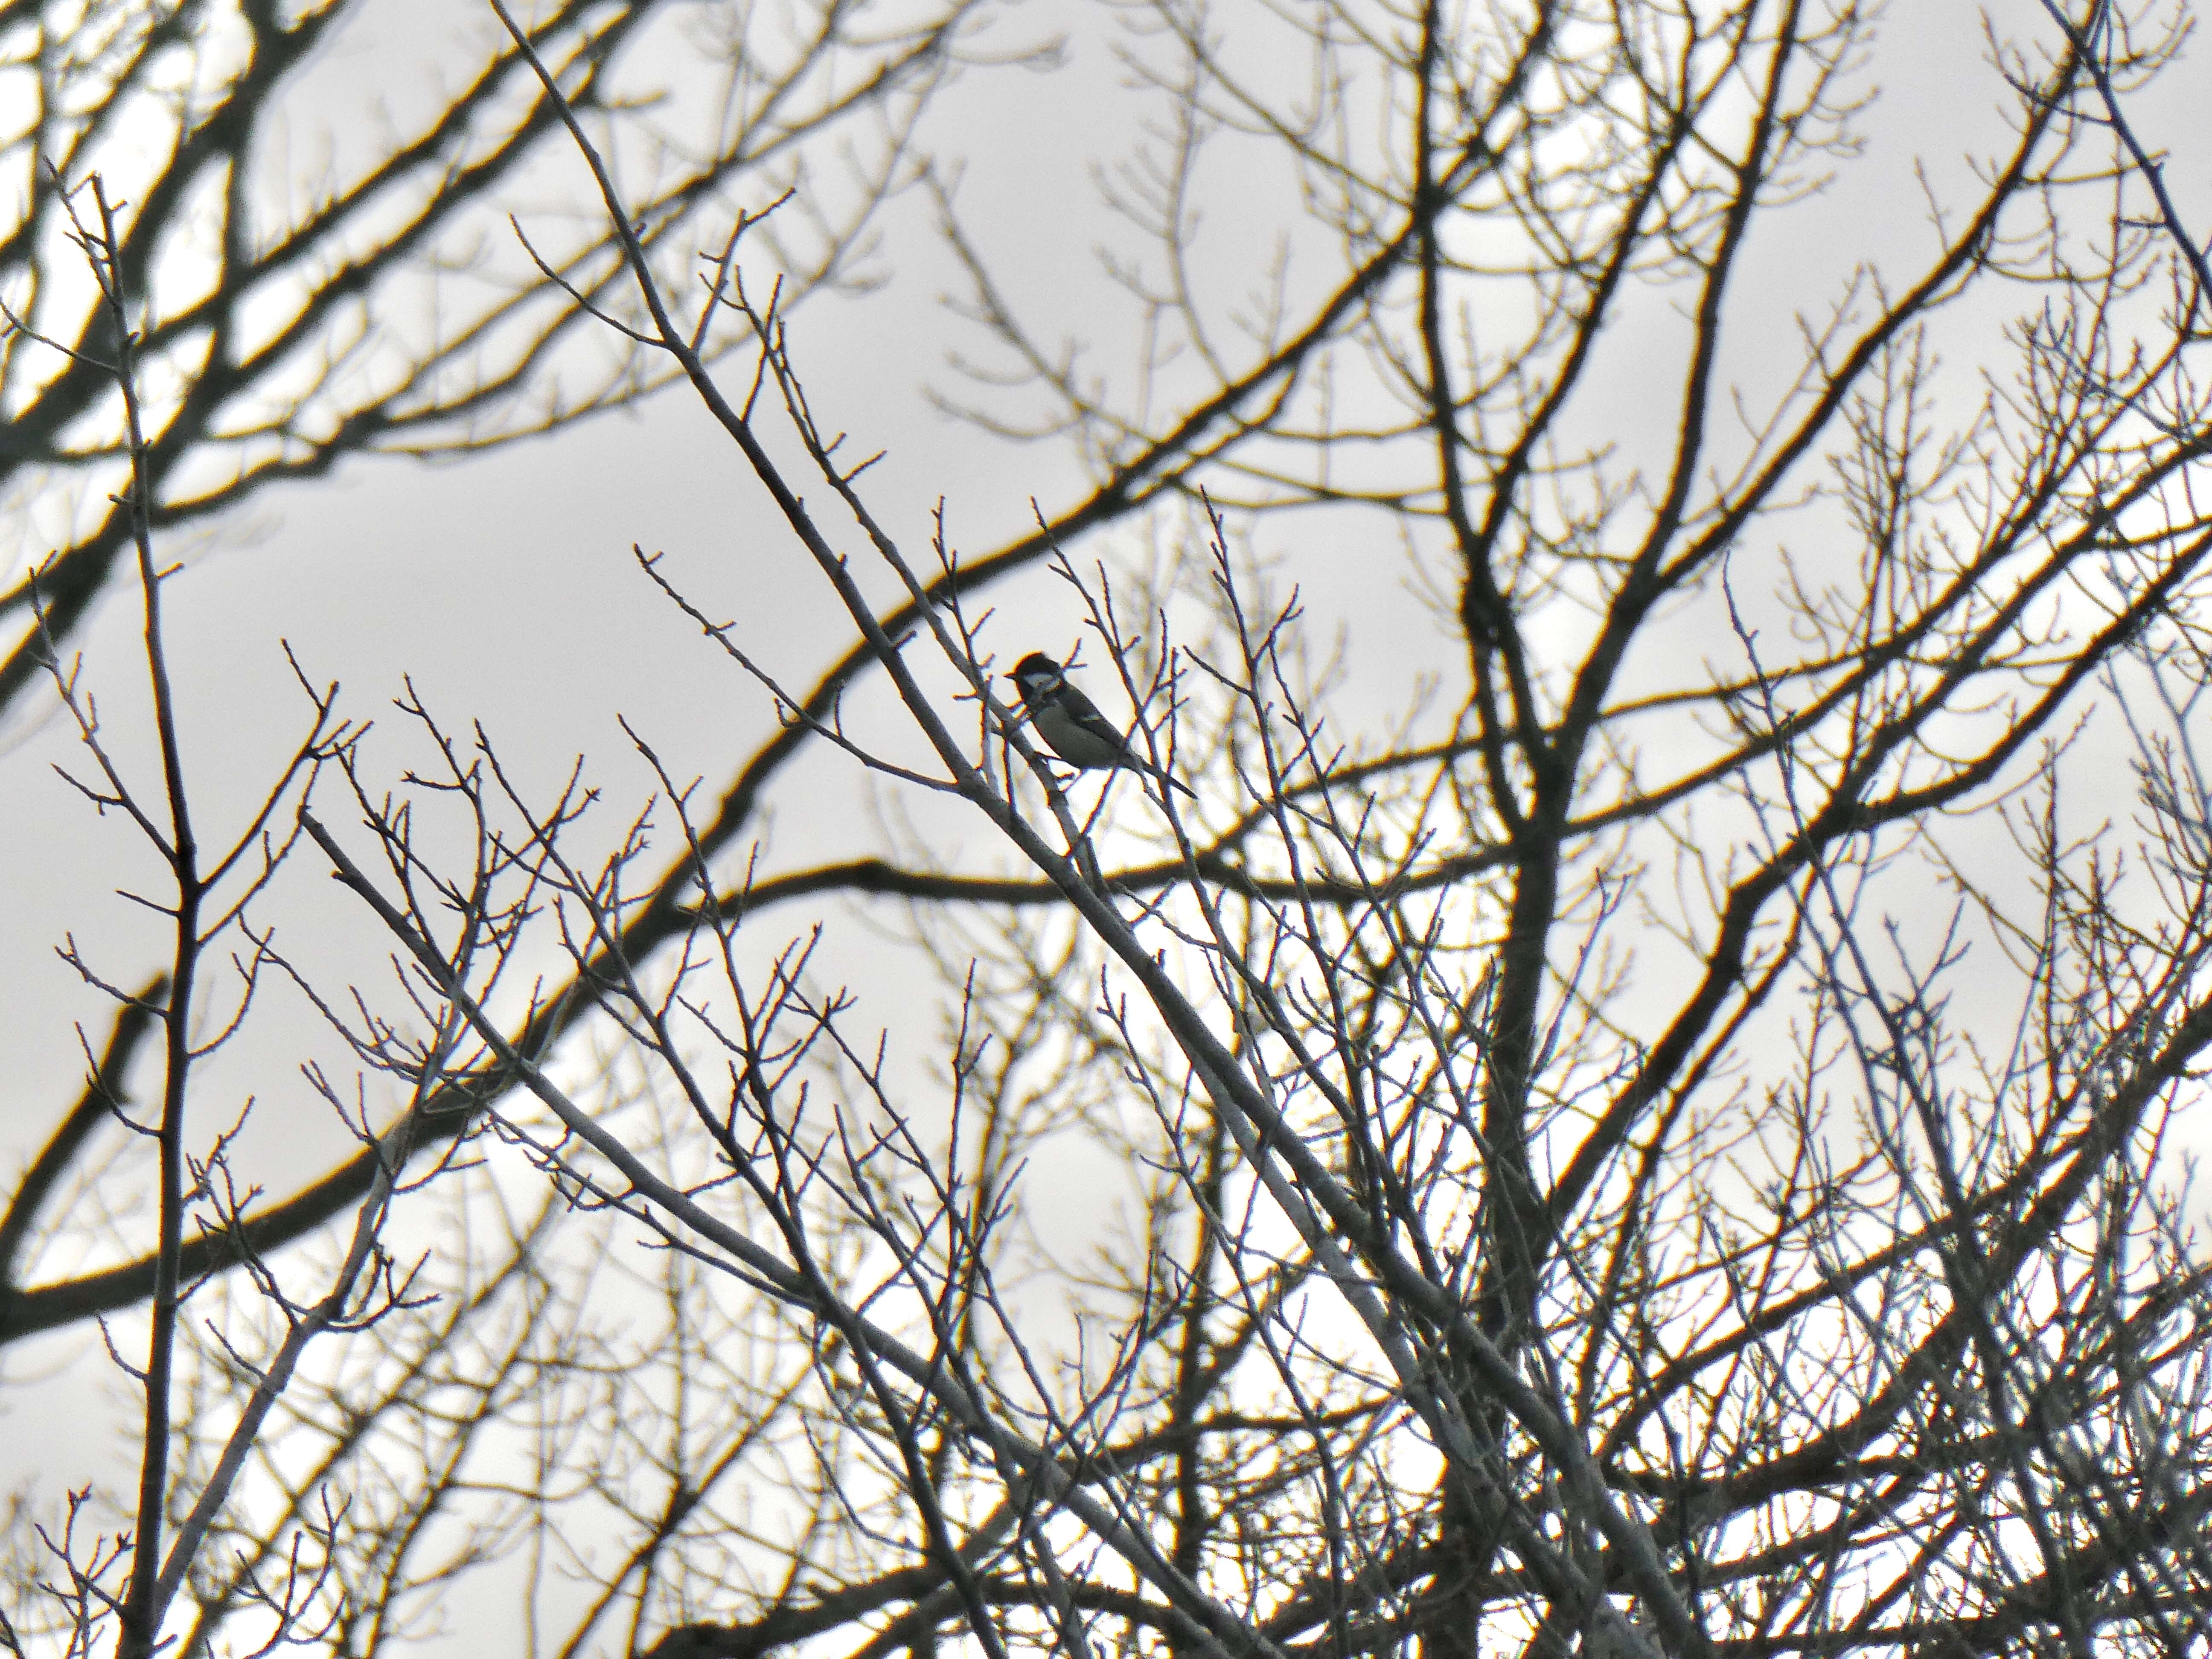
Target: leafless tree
{"x":371,"y":301}
{"x":375,"y":302}
{"x":1681,"y":1157}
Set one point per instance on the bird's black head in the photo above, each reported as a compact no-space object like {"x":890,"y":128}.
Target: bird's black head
{"x":1035,"y":670}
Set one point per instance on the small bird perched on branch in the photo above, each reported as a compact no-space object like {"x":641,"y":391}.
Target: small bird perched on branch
{"x":1072,"y":725}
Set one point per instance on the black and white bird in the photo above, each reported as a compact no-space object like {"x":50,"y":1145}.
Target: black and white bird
{"x":1072,"y":725}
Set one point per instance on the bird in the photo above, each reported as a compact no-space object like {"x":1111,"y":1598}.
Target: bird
{"x":1072,"y":725}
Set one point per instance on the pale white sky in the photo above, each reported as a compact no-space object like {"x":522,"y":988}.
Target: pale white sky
{"x":505,"y":589}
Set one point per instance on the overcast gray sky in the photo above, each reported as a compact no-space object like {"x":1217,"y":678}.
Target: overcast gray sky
{"x":505,"y":586}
